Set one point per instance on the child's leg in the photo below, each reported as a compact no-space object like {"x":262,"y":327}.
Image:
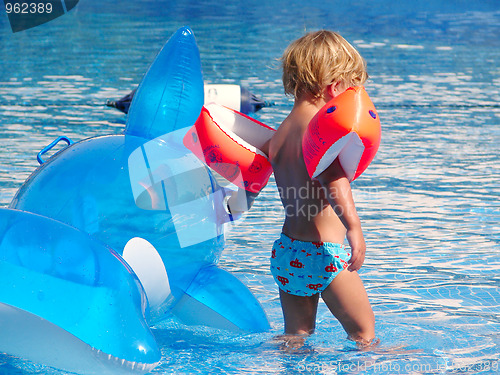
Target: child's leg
{"x":347,"y":300}
{"x":299,"y":313}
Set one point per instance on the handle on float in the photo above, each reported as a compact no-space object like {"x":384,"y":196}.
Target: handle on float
{"x":51,"y":146}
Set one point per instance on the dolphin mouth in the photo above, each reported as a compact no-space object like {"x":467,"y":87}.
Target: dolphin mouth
{"x":130,"y":366}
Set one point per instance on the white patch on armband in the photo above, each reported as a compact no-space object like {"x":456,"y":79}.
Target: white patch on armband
{"x":348,"y":149}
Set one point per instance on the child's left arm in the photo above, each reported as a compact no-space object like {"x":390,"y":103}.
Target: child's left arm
{"x":341,"y":200}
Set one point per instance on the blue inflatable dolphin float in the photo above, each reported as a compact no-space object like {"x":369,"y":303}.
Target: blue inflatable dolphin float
{"x":144,"y":195}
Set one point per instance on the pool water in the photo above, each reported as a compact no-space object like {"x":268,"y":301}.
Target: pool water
{"x":429,"y":203}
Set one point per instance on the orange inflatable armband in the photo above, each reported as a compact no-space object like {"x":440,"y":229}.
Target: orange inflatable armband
{"x":347,"y":127}
{"x":230,"y":143}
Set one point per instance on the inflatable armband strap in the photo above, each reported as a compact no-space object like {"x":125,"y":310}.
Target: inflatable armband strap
{"x":347,"y":127}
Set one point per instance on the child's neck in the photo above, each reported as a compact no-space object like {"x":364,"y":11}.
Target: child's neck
{"x":309,"y":103}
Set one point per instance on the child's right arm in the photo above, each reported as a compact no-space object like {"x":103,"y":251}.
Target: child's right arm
{"x":334,"y":180}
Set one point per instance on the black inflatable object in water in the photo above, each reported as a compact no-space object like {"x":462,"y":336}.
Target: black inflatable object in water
{"x":236,"y":97}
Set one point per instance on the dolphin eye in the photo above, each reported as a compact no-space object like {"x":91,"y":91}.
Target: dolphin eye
{"x":373,"y":114}
{"x":331,"y":109}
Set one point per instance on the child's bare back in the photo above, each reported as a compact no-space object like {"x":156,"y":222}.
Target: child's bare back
{"x":308,"y":214}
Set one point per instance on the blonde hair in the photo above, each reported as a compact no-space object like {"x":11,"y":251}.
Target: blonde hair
{"x":319,"y":59}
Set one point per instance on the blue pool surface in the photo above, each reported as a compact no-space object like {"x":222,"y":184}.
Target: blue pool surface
{"x":429,"y":203}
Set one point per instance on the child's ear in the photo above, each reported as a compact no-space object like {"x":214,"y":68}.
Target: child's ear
{"x":336,"y":89}
{"x":329,"y":92}
{"x":333,"y":90}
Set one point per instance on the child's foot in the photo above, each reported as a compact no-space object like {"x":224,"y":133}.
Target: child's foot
{"x":293,"y":343}
{"x":364,"y":344}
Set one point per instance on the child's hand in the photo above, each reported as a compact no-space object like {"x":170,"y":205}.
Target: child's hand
{"x":237,"y":202}
{"x":358,"y":248}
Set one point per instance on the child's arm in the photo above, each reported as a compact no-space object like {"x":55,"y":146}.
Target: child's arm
{"x":241,"y":200}
{"x":340,"y":198}
{"x":265,"y":147}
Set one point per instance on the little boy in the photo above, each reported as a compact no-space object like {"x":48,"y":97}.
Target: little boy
{"x":309,"y":258}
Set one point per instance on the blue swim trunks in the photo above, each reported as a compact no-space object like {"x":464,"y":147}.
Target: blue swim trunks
{"x":306,"y":268}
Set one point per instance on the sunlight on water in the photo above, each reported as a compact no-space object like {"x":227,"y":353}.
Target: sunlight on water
{"x":429,"y":203}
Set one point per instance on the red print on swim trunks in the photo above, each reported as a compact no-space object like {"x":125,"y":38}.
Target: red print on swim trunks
{"x":296,"y":263}
{"x":283,"y":280}
{"x":318,"y":244}
{"x":331,"y":268}
{"x":314,"y":286}
{"x":273,"y":254}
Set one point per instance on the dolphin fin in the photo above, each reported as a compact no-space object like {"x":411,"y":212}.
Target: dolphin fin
{"x":147,"y":264}
{"x":171,"y":94}
{"x":218,"y":299}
